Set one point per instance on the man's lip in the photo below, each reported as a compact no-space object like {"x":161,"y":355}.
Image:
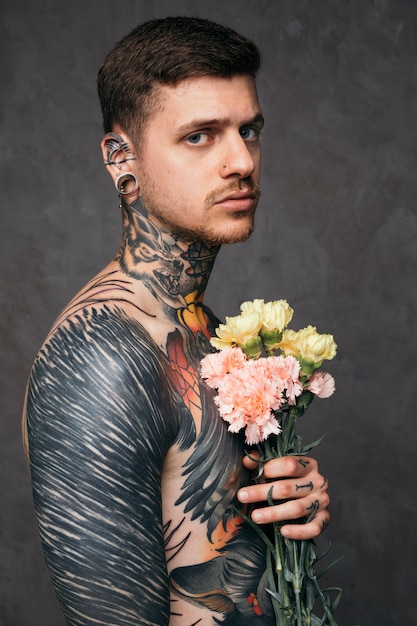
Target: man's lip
{"x":238,"y":203}
{"x":238,"y":195}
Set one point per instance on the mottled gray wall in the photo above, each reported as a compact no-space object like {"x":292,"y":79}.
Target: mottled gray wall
{"x":335,"y":236}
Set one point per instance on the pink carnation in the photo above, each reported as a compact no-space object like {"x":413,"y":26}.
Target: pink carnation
{"x":254,"y":433}
{"x":246,"y":398}
{"x":215,"y":366}
{"x":322,"y":384}
{"x":285,"y":372}
{"x":248,"y":391}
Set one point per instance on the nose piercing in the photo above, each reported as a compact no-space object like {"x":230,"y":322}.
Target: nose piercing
{"x":223,"y":166}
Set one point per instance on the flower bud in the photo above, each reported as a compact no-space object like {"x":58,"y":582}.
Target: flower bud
{"x":271,"y":340}
{"x":303,"y":402}
{"x":252,"y":348}
{"x":308,"y":367}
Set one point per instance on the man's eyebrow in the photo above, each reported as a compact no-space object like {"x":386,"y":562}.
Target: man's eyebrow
{"x":197,"y":123}
{"x":258,"y":120}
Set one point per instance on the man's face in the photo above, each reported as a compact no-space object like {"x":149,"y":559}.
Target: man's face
{"x":199,"y":160}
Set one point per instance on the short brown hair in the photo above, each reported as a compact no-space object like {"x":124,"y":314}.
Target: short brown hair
{"x":164,"y":52}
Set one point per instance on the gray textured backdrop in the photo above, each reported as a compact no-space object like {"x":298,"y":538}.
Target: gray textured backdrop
{"x":336,"y":236}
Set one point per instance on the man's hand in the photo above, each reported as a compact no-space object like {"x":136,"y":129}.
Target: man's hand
{"x":298,"y":489}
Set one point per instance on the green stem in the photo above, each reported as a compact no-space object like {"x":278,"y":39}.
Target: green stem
{"x":272,"y":580}
{"x":293,"y":576}
{"x":289,"y":433}
{"x":280,"y":565}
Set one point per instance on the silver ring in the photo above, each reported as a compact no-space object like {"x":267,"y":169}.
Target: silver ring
{"x":122,"y":180}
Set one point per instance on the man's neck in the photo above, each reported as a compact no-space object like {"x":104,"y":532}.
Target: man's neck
{"x":174,"y":272}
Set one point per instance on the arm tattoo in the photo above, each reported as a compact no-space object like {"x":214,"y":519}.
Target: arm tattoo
{"x":97,"y":396}
{"x":102,"y":413}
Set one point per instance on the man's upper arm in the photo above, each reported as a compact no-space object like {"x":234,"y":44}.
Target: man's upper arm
{"x":100,"y":422}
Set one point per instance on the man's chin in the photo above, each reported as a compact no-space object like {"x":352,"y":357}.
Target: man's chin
{"x":242,"y":228}
{"x":236,"y":236}
{"x":237,"y":231}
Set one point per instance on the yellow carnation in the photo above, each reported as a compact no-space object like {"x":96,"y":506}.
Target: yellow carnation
{"x":252,"y":306}
{"x":276,"y":315}
{"x":307,"y":343}
{"x":238,"y":330}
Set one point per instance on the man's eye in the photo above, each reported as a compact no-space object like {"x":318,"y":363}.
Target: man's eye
{"x":248,"y":132}
{"x":197,"y":138}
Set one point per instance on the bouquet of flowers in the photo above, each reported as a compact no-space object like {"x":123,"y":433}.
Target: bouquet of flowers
{"x":265,"y":376}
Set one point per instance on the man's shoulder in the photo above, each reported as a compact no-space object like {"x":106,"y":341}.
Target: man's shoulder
{"x":103,"y":335}
{"x":100,"y":366}
{"x":109,"y":288}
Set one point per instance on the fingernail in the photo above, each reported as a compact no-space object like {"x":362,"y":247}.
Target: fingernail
{"x":243,"y":495}
{"x":284,"y":531}
{"x":258,"y":516}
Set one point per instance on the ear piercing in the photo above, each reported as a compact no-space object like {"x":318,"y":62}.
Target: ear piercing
{"x":121,"y":182}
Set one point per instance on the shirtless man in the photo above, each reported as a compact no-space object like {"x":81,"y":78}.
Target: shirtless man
{"x":137,"y":482}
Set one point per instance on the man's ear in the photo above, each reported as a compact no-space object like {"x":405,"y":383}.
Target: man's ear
{"x":118,"y":155}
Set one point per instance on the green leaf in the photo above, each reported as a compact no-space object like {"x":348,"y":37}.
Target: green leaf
{"x":329,"y":567}
{"x":257,"y":529}
{"x":307,"y":448}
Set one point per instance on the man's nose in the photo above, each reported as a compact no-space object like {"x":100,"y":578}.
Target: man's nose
{"x":239,"y":159}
